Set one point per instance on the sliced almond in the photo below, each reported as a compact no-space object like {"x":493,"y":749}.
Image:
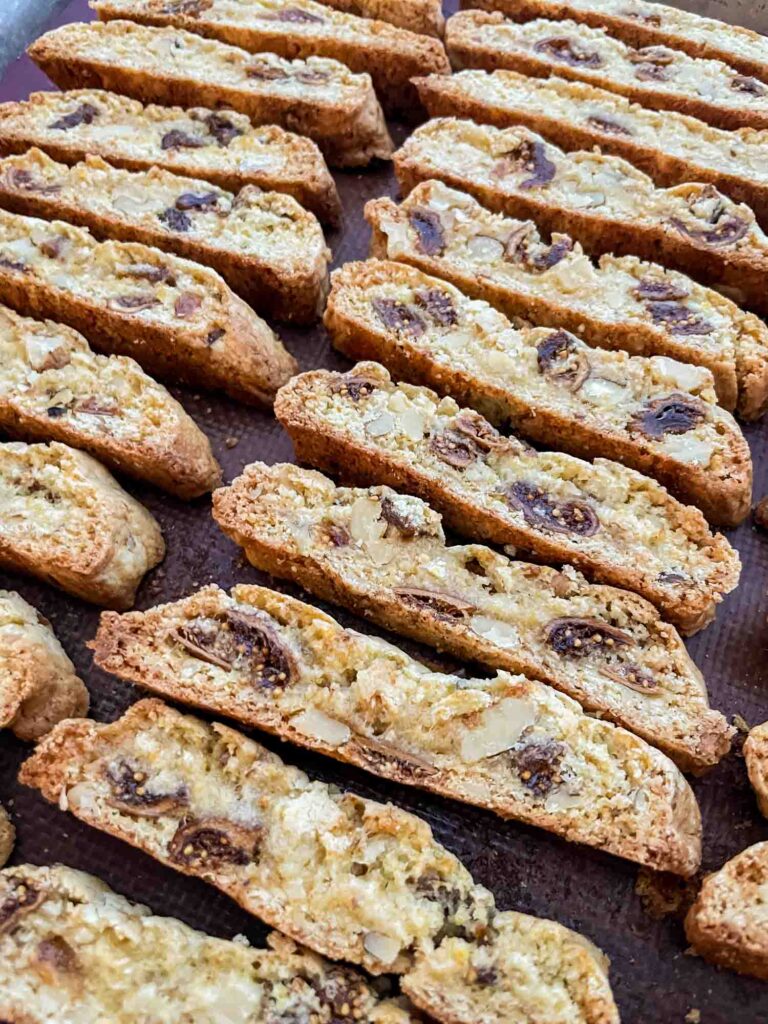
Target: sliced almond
{"x":499,"y":728}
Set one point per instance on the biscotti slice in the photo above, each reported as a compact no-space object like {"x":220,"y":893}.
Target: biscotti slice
{"x":672,"y":148}
{"x":303,"y":28}
{"x":38,"y":684}
{"x":609,"y":521}
{"x":72,"y":949}
{"x":384,"y":556}
{"x":267,"y":248}
{"x":728,"y":923}
{"x":53,"y":388}
{"x":176,"y":318}
{"x":7,"y":840}
{"x":316,"y":97}
{"x":221,"y":147}
{"x":650,"y":24}
{"x":656,"y":76}
{"x":615,"y":303}
{"x":656,"y":415}
{"x":66,"y":520}
{"x":756,"y":758}
{"x":507,"y":744}
{"x":604,"y":202}
{"x":350,"y":878}
{"x":422,"y":16}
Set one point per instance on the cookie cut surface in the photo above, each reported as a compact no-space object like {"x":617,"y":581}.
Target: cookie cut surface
{"x":756,"y":758}
{"x":7,"y":836}
{"x":38,"y":683}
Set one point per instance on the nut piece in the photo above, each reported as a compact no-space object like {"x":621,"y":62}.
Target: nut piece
{"x":675,"y":414}
{"x":563,"y":359}
{"x":213,"y":842}
{"x":543,"y":513}
{"x":583,"y":637}
{"x":130,"y":794}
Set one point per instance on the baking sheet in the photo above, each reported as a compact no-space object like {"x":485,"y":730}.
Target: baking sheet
{"x":655,"y":981}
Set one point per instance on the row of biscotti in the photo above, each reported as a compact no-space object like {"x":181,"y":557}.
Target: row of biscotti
{"x":350,"y":878}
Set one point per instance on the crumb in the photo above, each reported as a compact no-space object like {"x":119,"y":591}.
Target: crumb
{"x":665,"y":895}
{"x":232,"y":442}
{"x":693,"y":1016}
{"x":760,"y":513}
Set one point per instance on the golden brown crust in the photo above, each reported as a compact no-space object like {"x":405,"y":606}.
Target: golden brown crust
{"x":645,"y":24}
{"x":391,"y":56}
{"x":228,"y":348}
{"x":594,"y":124}
{"x":721,"y":488}
{"x":219,"y":146}
{"x":728,"y":924}
{"x":329,"y":446}
{"x":756,"y":758}
{"x":472,"y":41}
{"x":270,"y":511}
{"x":738,"y":269}
{"x":143,"y":648}
{"x":422,"y":16}
{"x":7,"y":836}
{"x":349,"y":129}
{"x":38,"y":684}
{"x":74,"y":526}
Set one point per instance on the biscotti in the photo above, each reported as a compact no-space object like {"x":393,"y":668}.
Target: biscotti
{"x":672,"y":148}
{"x":617,"y":526}
{"x":350,"y":878}
{"x":176,"y":318}
{"x":267,"y":248}
{"x":422,"y":16}
{"x":66,"y":521}
{"x":615,"y":303}
{"x":53,"y":388}
{"x":604,"y":202}
{"x":303,"y":28}
{"x":384,"y":556}
{"x":317,"y":97}
{"x":275,"y":663}
{"x":7,"y":840}
{"x":656,"y":415}
{"x":656,"y":76}
{"x":728,"y":923}
{"x":72,"y":949}
{"x":38,"y":683}
{"x":220,"y":146}
{"x":756,"y":759}
{"x":650,"y":24}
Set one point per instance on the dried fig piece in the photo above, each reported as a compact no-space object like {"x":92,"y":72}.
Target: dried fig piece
{"x":213,"y":336}
{"x":398,"y":316}
{"x":212,"y":843}
{"x":265,"y":72}
{"x":672,"y":578}
{"x":338,"y":535}
{"x":438,"y":305}
{"x":429,"y":230}
{"x":751,"y":86}
{"x":525,"y":248}
{"x":649,"y":72}
{"x":581,"y":638}
{"x":11,"y":264}
{"x":246,"y":641}
{"x":567,"y":51}
{"x":130,"y":794}
{"x":608,"y":125}
{"x":354,"y":387}
{"x":297,"y":15}
{"x":661,"y":291}
{"x":197,"y":201}
{"x":187,"y":304}
{"x":398,"y":517}
{"x":454,"y":449}
{"x":635,"y":678}
{"x":86,"y":113}
{"x":145,"y":271}
{"x":310,"y":76}
{"x":544,"y":513}
{"x":563,"y":359}
{"x":23,"y":897}
{"x":484,"y":975}
{"x":53,"y":247}
{"x":660,"y":56}
{"x":675,"y":414}
{"x":341,"y":991}
{"x":679,"y":319}
{"x":192,"y":8}
{"x":177,"y":139}
{"x":134,"y":303}
{"x":539,"y":764}
{"x":530,"y":156}
{"x":445,"y":606}
{"x":378,"y":754}
{"x":175,"y":219}
{"x":55,"y":959}
{"x":484,"y":436}
{"x":94,"y":406}
{"x":647,"y":17}
{"x":725,"y":230}
{"x":222,"y":128}
{"x":24,"y":181}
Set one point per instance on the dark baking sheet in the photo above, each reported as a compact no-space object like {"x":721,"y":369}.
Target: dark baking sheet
{"x":654,"y":980}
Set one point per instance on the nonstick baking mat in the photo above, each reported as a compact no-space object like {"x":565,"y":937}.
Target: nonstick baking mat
{"x":655,"y":981}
